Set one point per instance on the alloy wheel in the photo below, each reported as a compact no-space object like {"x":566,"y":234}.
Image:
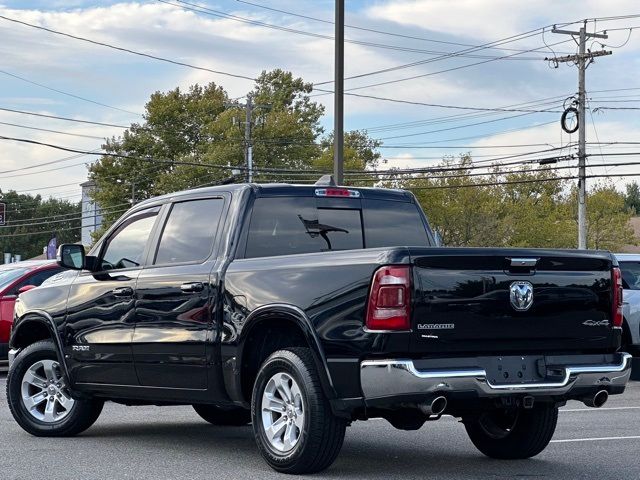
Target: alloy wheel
{"x":282,"y":412}
{"x":44,"y":392}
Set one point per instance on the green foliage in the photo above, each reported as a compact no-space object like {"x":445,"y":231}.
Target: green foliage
{"x":27,"y":215}
{"x":203,"y":127}
{"x":608,"y":217}
{"x":529,"y":209}
{"x":632,"y":198}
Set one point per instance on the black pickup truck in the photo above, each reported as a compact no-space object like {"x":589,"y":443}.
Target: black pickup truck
{"x":301,"y":309}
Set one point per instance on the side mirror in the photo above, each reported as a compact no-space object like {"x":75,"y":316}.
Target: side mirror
{"x":26,"y":288}
{"x":71,"y":255}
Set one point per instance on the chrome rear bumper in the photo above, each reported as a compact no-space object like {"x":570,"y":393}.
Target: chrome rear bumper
{"x":389,"y":378}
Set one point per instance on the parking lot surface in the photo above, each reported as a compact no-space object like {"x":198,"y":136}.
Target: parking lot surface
{"x":174,"y":443}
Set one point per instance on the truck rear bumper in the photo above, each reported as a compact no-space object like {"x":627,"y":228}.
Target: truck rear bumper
{"x":386,"y":379}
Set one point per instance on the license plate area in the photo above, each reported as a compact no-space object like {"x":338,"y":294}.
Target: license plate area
{"x":514,"y":370}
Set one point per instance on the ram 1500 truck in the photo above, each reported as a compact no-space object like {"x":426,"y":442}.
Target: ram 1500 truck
{"x":301,"y":309}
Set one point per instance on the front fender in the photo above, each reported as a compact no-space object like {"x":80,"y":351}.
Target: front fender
{"x":24,"y":320}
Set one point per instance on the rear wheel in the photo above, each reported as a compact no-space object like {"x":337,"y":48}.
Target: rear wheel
{"x":514,"y":433}
{"x":294,"y":426}
{"x":232,"y":416}
{"x":39,"y":398}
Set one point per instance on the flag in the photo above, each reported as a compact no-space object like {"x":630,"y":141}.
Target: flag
{"x":52,"y":247}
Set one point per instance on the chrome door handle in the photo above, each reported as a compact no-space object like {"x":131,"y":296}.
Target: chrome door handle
{"x":123,"y":292}
{"x":192,"y":287}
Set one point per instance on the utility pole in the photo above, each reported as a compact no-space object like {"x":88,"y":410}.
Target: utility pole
{"x":249,"y":122}
{"x":338,"y":96}
{"x":582,"y":60}
{"x":248,"y":153}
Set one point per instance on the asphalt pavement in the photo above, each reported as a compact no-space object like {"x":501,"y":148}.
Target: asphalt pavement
{"x":174,"y":443}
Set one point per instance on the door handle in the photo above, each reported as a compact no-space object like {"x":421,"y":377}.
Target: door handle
{"x":123,"y":292}
{"x":192,"y":287}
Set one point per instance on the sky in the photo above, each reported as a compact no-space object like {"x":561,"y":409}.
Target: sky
{"x":113,"y":86}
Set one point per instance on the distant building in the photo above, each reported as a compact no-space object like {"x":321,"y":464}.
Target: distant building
{"x":91,"y":218}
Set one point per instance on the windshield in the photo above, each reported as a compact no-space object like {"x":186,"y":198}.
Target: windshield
{"x":9,"y":275}
{"x":630,"y":275}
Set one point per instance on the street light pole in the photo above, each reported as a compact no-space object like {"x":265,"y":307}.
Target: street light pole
{"x":338,"y":95}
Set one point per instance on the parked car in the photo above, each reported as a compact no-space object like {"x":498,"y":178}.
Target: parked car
{"x":630,"y":267}
{"x":16,"y":278}
{"x":301,"y":309}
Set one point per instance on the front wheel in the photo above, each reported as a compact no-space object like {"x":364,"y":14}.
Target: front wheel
{"x":514,"y":433}
{"x":39,"y":398}
{"x":294,"y":426}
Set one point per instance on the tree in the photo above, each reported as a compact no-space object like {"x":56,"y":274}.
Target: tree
{"x":200,"y":136}
{"x":32,"y":221}
{"x":608,"y":218}
{"x":462,"y":214}
{"x":531,"y":208}
{"x":632,"y":198}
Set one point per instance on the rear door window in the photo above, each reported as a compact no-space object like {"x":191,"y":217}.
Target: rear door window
{"x":190,"y":231}
{"x":290,"y":225}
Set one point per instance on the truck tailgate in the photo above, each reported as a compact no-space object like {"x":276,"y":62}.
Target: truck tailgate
{"x":502,"y":300}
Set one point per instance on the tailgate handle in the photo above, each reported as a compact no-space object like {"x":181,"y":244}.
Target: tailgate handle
{"x":523,"y":262}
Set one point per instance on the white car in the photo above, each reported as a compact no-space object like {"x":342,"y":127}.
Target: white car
{"x":630,"y":266}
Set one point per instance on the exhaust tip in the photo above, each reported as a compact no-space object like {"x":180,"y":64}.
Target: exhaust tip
{"x":598,"y":400}
{"x":438,"y":405}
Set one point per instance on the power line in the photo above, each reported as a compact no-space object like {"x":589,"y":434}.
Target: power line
{"x":447,"y":56}
{"x":17,"y":125}
{"x":50,"y":221}
{"x":98,"y":211}
{"x":192,"y":7}
{"x":462,"y":116}
{"x":127,"y":50}
{"x":67,"y":93}
{"x":56,"y":117}
{"x":64,"y":159}
{"x":372,"y":30}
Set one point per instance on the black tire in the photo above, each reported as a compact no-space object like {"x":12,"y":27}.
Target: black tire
{"x":322,"y":433}
{"x":513,"y":434}
{"x":81,"y":415}
{"x":232,"y":416}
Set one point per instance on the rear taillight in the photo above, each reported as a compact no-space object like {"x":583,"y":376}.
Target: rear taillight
{"x":616,"y":314}
{"x":390,"y":299}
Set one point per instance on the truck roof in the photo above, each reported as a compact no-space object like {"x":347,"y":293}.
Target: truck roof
{"x":287,"y":189}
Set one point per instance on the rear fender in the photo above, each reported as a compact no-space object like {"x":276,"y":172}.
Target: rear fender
{"x":298,"y":318}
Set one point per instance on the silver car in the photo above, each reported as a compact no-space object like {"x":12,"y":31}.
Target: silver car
{"x":630,"y":266}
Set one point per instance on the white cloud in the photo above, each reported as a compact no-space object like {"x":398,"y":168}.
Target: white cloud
{"x":126,"y":81}
{"x":494,"y":19}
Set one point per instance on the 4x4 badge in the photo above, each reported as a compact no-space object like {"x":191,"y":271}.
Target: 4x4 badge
{"x":521,"y":296}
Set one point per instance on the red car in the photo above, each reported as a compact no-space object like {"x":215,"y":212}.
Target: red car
{"x":16,"y":278}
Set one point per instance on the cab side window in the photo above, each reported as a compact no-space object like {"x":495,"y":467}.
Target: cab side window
{"x":125,"y":247}
{"x":190,"y":231}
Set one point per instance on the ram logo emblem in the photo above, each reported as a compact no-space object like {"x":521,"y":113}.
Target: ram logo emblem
{"x":521,"y":296}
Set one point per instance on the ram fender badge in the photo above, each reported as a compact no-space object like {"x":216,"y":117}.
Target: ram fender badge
{"x":521,"y":296}
{"x":80,"y":348}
